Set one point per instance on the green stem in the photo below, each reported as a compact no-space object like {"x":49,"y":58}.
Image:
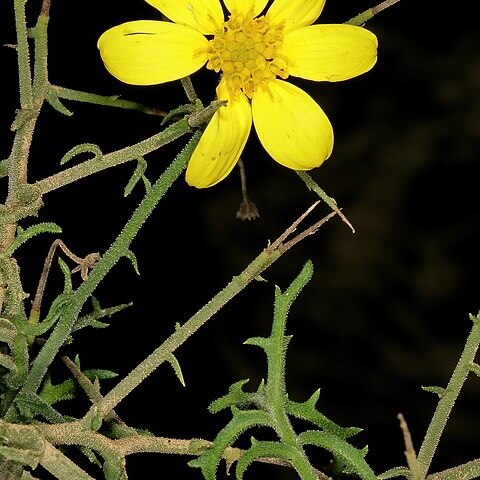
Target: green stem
{"x":112,"y":101}
{"x":61,"y":466}
{"x":313,"y":186}
{"x":118,"y":157}
{"x":161,"y":354}
{"x":278,"y":343}
{"x":23,"y":55}
{"x":467,"y":471}
{"x":363,"y":17}
{"x":117,"y":250}
{"x":181,"y":334}
{"x":447,"y":402}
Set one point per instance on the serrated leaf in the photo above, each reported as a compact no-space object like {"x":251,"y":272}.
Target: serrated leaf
{"x":60,"y":392}
{"x":241,"y":421}
{"x":395,"y":473}
{"x":36,"y":406}
{"x":351,"y":456}
{"x":307,"y":411}
{"x":57,"y":307}
{"x":235,"y":397}
{"x":276,"y":450}
{"x":92,"y":319}
{"x":440,"y":391}
{"x":25,"y":235}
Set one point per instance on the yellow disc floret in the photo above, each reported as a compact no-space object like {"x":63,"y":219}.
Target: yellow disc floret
{"x":246,"y":53}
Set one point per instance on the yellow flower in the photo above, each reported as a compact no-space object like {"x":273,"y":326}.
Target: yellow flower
{"x":255,"y":54}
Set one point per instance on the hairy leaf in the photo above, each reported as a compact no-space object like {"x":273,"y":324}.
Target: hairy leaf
{"x":351,"y":456}
{"x":290,"y":454}
{"x":241,"y":421}
{"x":307,"y":411}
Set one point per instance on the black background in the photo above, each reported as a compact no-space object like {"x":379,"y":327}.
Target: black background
{"x":387,"y":308}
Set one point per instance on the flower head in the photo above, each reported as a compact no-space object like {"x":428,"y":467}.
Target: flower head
{"x":254,"y":54}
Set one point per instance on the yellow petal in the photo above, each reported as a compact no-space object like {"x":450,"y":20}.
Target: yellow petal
{"x":292,"y":128}
{"x":222,"y":141}
{"x":329,"y":52}
{"x":245,"y":6}
{"x":295,"y":13}
{"x":206,"y":16}
{"x":148,"y":52}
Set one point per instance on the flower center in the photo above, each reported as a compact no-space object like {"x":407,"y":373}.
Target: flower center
{"x":246,"y":53}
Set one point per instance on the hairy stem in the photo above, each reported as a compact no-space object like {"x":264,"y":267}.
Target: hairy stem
{"x":89,"y":167}
{"x":266,"y":258}
{"x":447,"y":402}
{"x":118,"y":249}
{"x":61,"y":466}
{"x":108,"y":101}
{"x":363,"y":17}
{"x":467,"y":471}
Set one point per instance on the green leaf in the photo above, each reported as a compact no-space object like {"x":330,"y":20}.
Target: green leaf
{"x":351,"y":456}
{"x":58,"y":306}
{"x":61,"y":392}
{"x":7,"y":362}
{"x":67,"y":276}
{"x":137,"y":175}
{"x":91,"y":456}
{"x":82,"y":148}
{"x":25,"y":235}
{"x":133,"y":260}
{"x":54,"y":101}
{"x":307,"y":411}
{"x":172,"y":360}
{"x":27,"y":476}
{"x":22,"y":444}
{"x":440,"y":391}
{"x":4,"y":168}
{"x":241,"y":421}
{"x":475,"y":368}
{"x":179,"y":111}
{"x":8,"y":331}
{"x":235,"y":397}
{"x":92,"y":319}
{"x":33,"y":405}
{"x":395,"y":473}
{"x":114,"y":468}
{"x":99,"y":374}
{"x":276,"y":450}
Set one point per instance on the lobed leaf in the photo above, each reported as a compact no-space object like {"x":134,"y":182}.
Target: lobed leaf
{"x":25,"y":235}
{"x":235,"y":397}
{"x":307,"y":411}
{"x":290,"y":454}
{"x":351,"y":456}
{"x":241,"y":421}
